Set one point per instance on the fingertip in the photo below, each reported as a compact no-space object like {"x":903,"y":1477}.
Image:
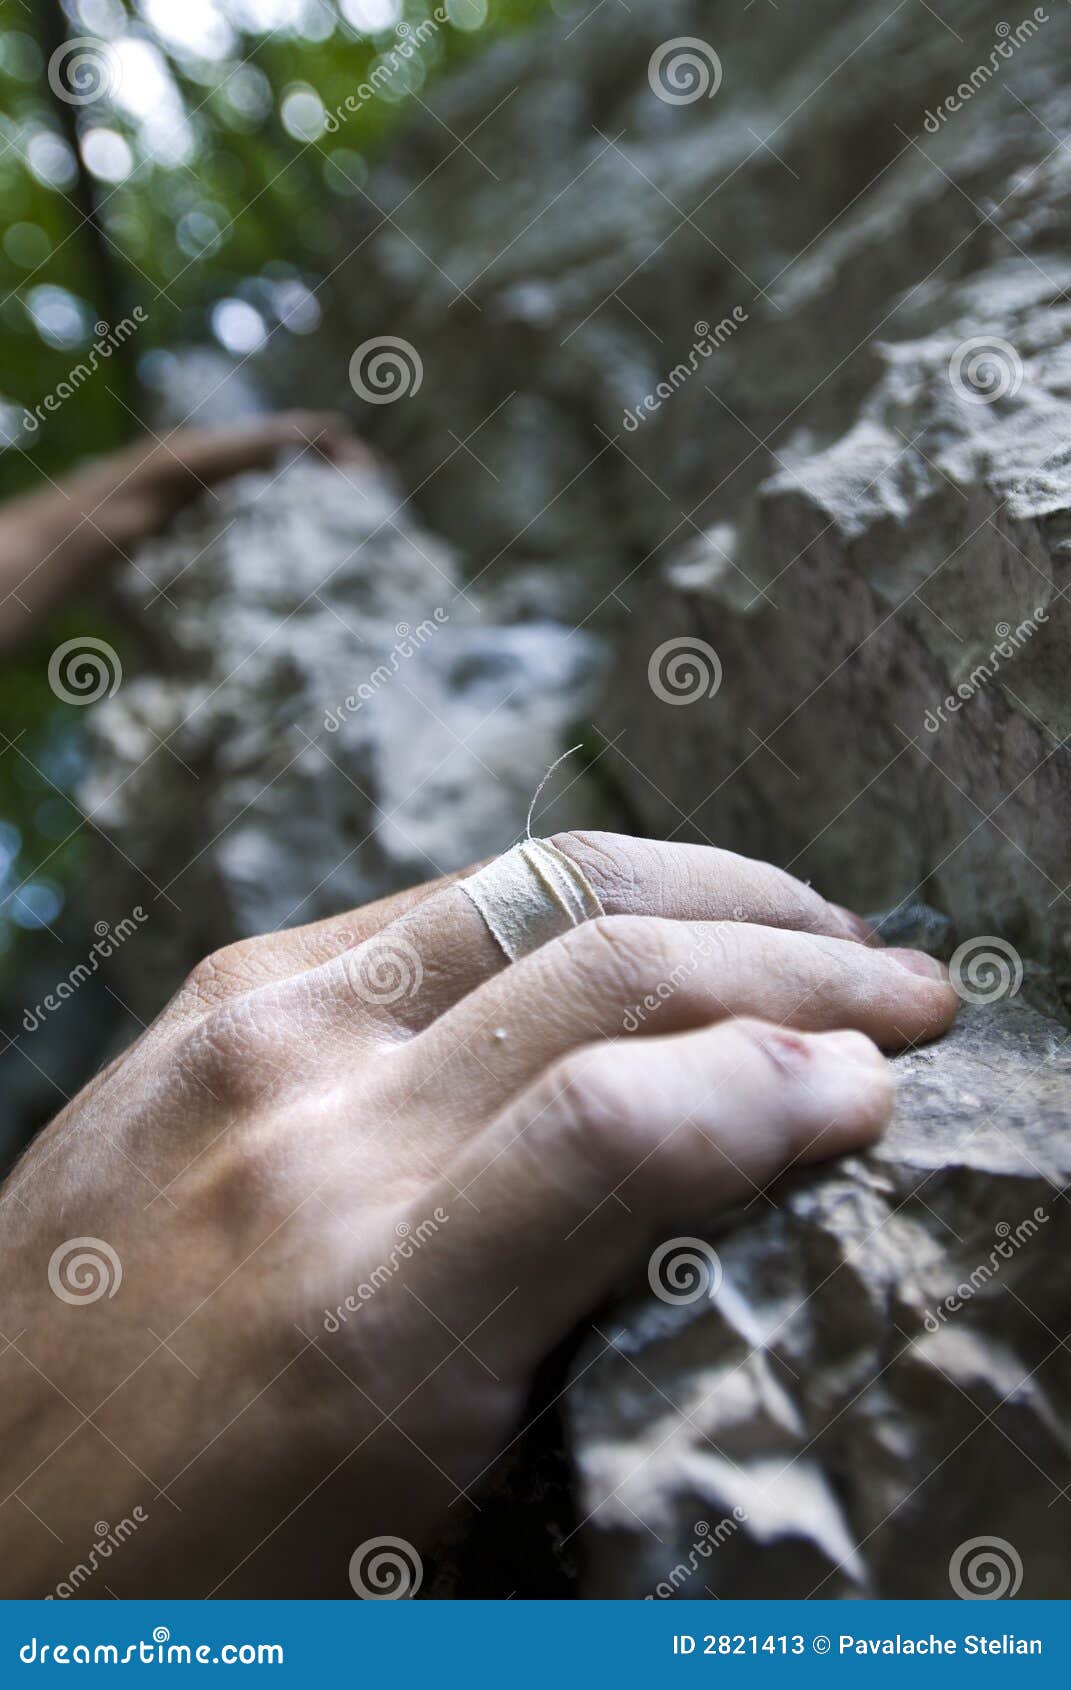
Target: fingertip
{"x":923,"y":1002}
{"x":853,"y":1093}
{"x":920,"y":963}
{"x":850,"y":1045}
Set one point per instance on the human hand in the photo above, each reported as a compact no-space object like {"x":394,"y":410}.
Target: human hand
{"x":190,"y":460}
{"x":51,"y":537}
{"x":359,"y":1177}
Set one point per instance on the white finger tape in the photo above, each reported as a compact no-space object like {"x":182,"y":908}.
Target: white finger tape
{"x":531,"y":894}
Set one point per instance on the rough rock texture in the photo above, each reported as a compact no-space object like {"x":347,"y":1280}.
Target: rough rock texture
{"x":854,"y":508}
{"x":848,"y":499}
{"x":317,"y":716}
{"x":881,"y":1375}
{"x":904,"y":675}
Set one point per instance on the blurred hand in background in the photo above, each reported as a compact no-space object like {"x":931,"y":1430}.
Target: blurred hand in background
{"x":56,"y":536}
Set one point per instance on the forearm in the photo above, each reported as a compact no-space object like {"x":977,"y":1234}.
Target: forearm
{"x":50,"y":538}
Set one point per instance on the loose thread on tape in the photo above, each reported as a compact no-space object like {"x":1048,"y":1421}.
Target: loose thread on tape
{"x":533,"y":892}
{"x":557,"y":763}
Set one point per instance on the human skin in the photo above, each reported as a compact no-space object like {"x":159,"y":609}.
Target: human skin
{"x":313,"y":1098}
{"x":52,"y":537}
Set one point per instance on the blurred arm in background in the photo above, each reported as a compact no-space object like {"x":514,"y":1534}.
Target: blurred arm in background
{"x":50,"y":538}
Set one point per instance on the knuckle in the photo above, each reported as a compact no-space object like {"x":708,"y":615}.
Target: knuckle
{"x":384,"y":974}
{"x":609,"y":860}
{"x":226,"y":1053}
{"x":790,"y":966}
{"x":797,"y":905}
{"x":622,"y":952}
{"x":217,"y":977}
{"x":242,"y":1183}
{"x":783,"y":1051}
{"x":588,"y":1112}
{"x":824,"y":971}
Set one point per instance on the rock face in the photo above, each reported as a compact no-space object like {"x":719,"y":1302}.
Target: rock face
{"x":318,"y":715}
{"x":781,"y":370}
{"x":897,"y":671}
{"x":879,"y":1377}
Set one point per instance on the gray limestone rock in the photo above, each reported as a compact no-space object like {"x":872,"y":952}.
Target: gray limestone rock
{"x":314,"y":713}
{"x":840,"y":279}
{"x":842,"y":534}
{"x":879,"y":1377}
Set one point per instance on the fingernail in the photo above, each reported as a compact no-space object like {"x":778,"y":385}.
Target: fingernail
{"x":917,"y":962}
{"x":855,"y":924}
